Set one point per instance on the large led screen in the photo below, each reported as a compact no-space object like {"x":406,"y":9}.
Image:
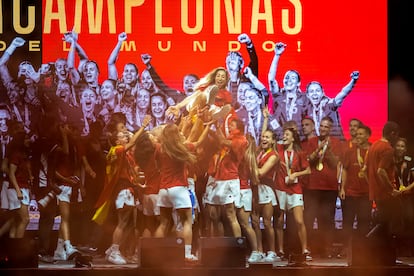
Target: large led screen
{"x":325,"y":41}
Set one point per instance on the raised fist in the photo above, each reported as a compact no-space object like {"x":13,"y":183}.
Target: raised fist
{"x":355,"y":75}
{"x":18,"y":42}
{"x":244,"y":38}
{"x":122,"y":36}
{"x":146,"y":58}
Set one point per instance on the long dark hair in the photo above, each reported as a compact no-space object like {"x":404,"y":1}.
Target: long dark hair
{"x":296,"y":139}
{"x":144,"y":150}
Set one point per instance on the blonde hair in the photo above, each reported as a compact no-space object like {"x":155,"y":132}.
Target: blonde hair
{"x":209,"y":79}
{"x":172,"y":144}
{"x":250,"y":159}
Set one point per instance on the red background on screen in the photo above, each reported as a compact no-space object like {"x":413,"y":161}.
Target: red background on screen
{"x":336,"y":38}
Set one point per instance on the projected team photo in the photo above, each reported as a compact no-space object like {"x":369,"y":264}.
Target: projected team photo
{"x":146,"y":119}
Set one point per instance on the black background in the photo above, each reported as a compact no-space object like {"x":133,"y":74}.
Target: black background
{"x":400,"y":63}
{"x":400,"y":33}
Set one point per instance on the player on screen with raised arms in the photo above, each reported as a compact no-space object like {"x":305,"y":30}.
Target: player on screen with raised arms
{"x":130,"y":74}
{"x":89,"y":69}
{"x":235,"y":63}
{"x":22,"y":92}
{"x":289,"y":103}
{"x":321,"y":105}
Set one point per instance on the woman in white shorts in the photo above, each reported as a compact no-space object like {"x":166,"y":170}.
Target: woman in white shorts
{"x":145,"y":158}
{"x":65,"y":179}
{"x":244,"y":206}
{"x":224,"y":192}
{"x":173,"y":158}
{"x":292,"y":165}
{"x":266,"y":162}
{"x":20,"y":179}
{"x":122,"y":164}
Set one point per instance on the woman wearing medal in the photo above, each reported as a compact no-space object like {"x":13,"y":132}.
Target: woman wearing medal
{"x":291,"y":167}
{"x":265,"y":206}
{"x":354,"y":187}
{"x":404,"y":173}
{"x":321,"y":191}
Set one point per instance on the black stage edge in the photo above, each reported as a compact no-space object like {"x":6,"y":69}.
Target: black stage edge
{"x":191,"y":271}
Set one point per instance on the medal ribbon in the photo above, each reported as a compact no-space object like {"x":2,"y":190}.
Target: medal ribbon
{"x":288,"y":162}
{"x":322,"y":152}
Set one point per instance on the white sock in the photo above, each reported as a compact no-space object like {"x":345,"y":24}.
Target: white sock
{"x":67,"y":243}
{"x":115,"y":247}
{"x":187,"y":248}
{"x":60,"y":244}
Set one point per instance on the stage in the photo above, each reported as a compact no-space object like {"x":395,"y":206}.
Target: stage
{"x":318,"y":266}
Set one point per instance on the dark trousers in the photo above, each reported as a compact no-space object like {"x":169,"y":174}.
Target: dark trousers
{"x":46,"y":221}
{"x":359,"y":208}
{"x":320,"y":205}
{"x":389,"y":217}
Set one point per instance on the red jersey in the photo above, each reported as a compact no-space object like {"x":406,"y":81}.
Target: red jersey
{"x":172,"y":173}
{"x":381,"y":155}
{"x":325,"y":179}
{"x":305,"y":178}
{"x":354,"y":161}
{"x":66,"y":165}
{"x":152,"y":177}
{"x":223,"y":97}
{"x":269,"y":178}
{"x":230,"y":158}
{"x":125,"y":170}
{"x":20,"y":160}
{"x":244,"y":176}
{"x":296,"y":161}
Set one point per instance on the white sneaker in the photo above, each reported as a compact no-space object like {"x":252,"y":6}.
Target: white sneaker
{"x":108,"y":252}
{"x":71,"y":252}
{"x":116,"y":258}
{"x":271,"y":257}
{"x":191,"y":258}
{"x":256,"y":257}
{"x":398,"y":262}
{"x":60,"y":255}
{"x":308,"y":256}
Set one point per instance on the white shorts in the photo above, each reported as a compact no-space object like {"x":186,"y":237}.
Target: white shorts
{"x":14,"y":202}
{"x":266,"y":195}
{"x":209,"y":187}
{"x":245,"y":200}
{"x":149,"y":205}
{"x":4,"y":198}
{"x":175,"y":197}
{"x":288,"y":201}
{"x":221,"y":192}
{"x":124,"y":197}
{"x":194,"y":204}
{"x":66,"y":193}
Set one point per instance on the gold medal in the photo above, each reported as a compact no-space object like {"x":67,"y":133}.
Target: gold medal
{"x":361,"y":174}
{"x":319,"y":166}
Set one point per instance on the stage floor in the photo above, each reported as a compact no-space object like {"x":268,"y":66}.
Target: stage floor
{"x":318,"y":266}
{"x":99,"y":262}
